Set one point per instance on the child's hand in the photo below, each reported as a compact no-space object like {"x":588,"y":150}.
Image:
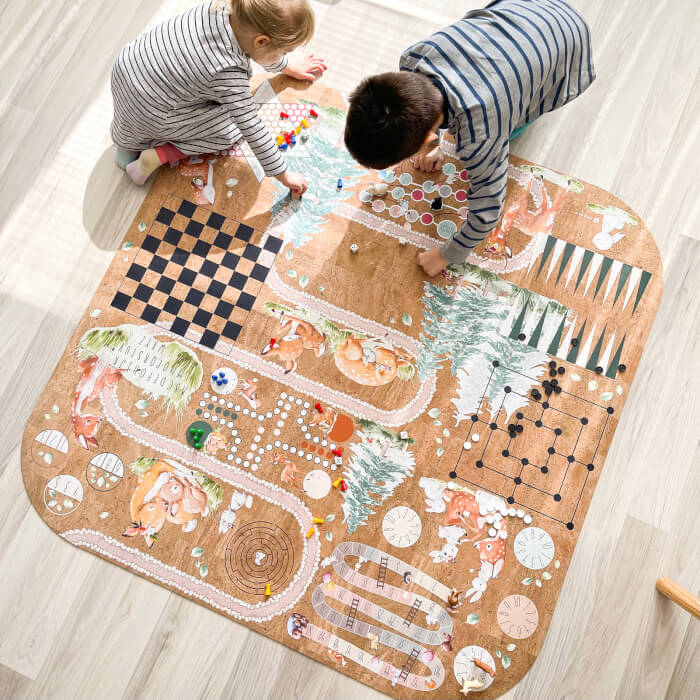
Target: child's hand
{"x":307,"y":68}
{"x":429,"y":161}
{"x":432,"y":262}
{"x":294,"y":181}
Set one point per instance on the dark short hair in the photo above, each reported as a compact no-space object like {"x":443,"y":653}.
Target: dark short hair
{"x":389,"y":117}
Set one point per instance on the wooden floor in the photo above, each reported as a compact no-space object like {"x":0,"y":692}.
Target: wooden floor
{"x":75,"y":627}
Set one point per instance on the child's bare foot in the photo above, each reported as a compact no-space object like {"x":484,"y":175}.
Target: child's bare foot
{"x":142,"y":168}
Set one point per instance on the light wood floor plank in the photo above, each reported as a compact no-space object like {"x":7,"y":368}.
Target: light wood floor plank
{"x":100,"y":632}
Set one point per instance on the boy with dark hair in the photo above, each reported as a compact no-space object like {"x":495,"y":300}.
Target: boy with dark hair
{"x":482,"y":78}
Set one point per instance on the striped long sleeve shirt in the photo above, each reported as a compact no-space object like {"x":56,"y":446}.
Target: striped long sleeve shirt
{"x":497,"y":69}
{"x":187,"y":82}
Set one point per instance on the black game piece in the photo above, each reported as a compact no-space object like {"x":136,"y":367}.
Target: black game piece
{"x":538,"y":424}
{"x":552,"y":364}
{"x":552,"y":373}
{"x":554,"y":382}
{"x":525,"y":461}
{"x":621,"y":368}
{"x":558,"y":431}
{"x":479,"y":464}
{"x":535,"y":394}
{"x":511,"y":427}
{"x":599,"y":370}
{"x":453,"y":475}
{"x":574,"y":341}
{"x":561,"y":370}
{"x":519,"y":428}
{"x":436,"y":203}
{"x":505,"y":453}
{"x":557,"y":390}
{"x":518,"y":480}
{"x":551,"y":450}
{"x":569,"y":526}
{"x":510,"y":499}
{"x":519,"y":415}
{"x":544,"y":470}
{"x":521,"y":336}
{"x":548,"y":391}
{"x":557,"y":497}
{"x":495,"y":363}
{"x":545,"y":405}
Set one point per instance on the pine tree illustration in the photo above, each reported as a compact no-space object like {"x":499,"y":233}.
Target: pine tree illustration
{"x":323,"y":160}
{"x":373,"y":473}
{"x":464,"y":328}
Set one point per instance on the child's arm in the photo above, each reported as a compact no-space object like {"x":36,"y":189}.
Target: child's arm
{"x":487,"y":167}
{"x":232,"y":90}
{"x":302,"y":68}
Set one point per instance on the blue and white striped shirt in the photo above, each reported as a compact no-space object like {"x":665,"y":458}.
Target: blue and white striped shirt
{"x":187,"y":82}
{"x":499,"y":68}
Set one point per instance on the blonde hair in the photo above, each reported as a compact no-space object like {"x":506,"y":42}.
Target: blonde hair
{"x":288,"y":23}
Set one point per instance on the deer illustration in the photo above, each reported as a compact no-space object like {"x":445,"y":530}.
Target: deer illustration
{"x":369,"y":361}
{"x":337,"y":427}
{"x":297,"y":335}
{"x":290,"y":471}
{"x":541,"y":221}
{"x":96,"y":377}
{"x":249,"y":390}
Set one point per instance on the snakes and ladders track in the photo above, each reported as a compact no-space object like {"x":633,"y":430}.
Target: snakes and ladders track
{"x":403,"y":634}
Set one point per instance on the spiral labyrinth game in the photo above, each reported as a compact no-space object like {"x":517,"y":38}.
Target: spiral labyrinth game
{"x":384,"y":472}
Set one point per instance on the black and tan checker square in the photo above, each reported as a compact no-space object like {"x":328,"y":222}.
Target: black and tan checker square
{"x":197,"y":273}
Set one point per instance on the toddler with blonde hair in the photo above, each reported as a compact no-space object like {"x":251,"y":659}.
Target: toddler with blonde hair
{"x":183,"y":88}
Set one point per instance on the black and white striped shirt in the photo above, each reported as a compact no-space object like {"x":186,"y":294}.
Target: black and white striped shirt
{"x":499,"y":68}
{"x":187,"y":82}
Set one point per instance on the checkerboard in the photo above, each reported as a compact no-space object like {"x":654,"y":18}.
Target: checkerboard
{"x":197,"y":273}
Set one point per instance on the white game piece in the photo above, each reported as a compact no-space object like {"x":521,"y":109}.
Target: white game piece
{"x":475,"y":437}
{"x":467,"y":445}
{"x":354,"y":248}
{"x":379,"y":189}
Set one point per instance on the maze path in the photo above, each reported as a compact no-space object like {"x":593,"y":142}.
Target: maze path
{"x":258,"y":554}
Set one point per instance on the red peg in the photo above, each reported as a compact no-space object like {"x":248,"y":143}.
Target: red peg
{"x":343,"y":485}
{"x":319,"y":408}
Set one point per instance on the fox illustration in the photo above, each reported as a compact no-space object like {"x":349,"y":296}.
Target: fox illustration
{"x":96,"y":377}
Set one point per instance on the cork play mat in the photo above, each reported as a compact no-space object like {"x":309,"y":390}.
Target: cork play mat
{"x":268,"y":408}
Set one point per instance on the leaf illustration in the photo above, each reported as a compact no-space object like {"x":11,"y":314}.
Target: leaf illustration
{"x":203,"y":570}
{"x":511,"y":647}
{"x":434,"y":412}
{"x":526,"y":581}
{"x":197,"y":551}
{"x":546,"y":575}
{"x":472,"y":619}
{"x":505,"y":661}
